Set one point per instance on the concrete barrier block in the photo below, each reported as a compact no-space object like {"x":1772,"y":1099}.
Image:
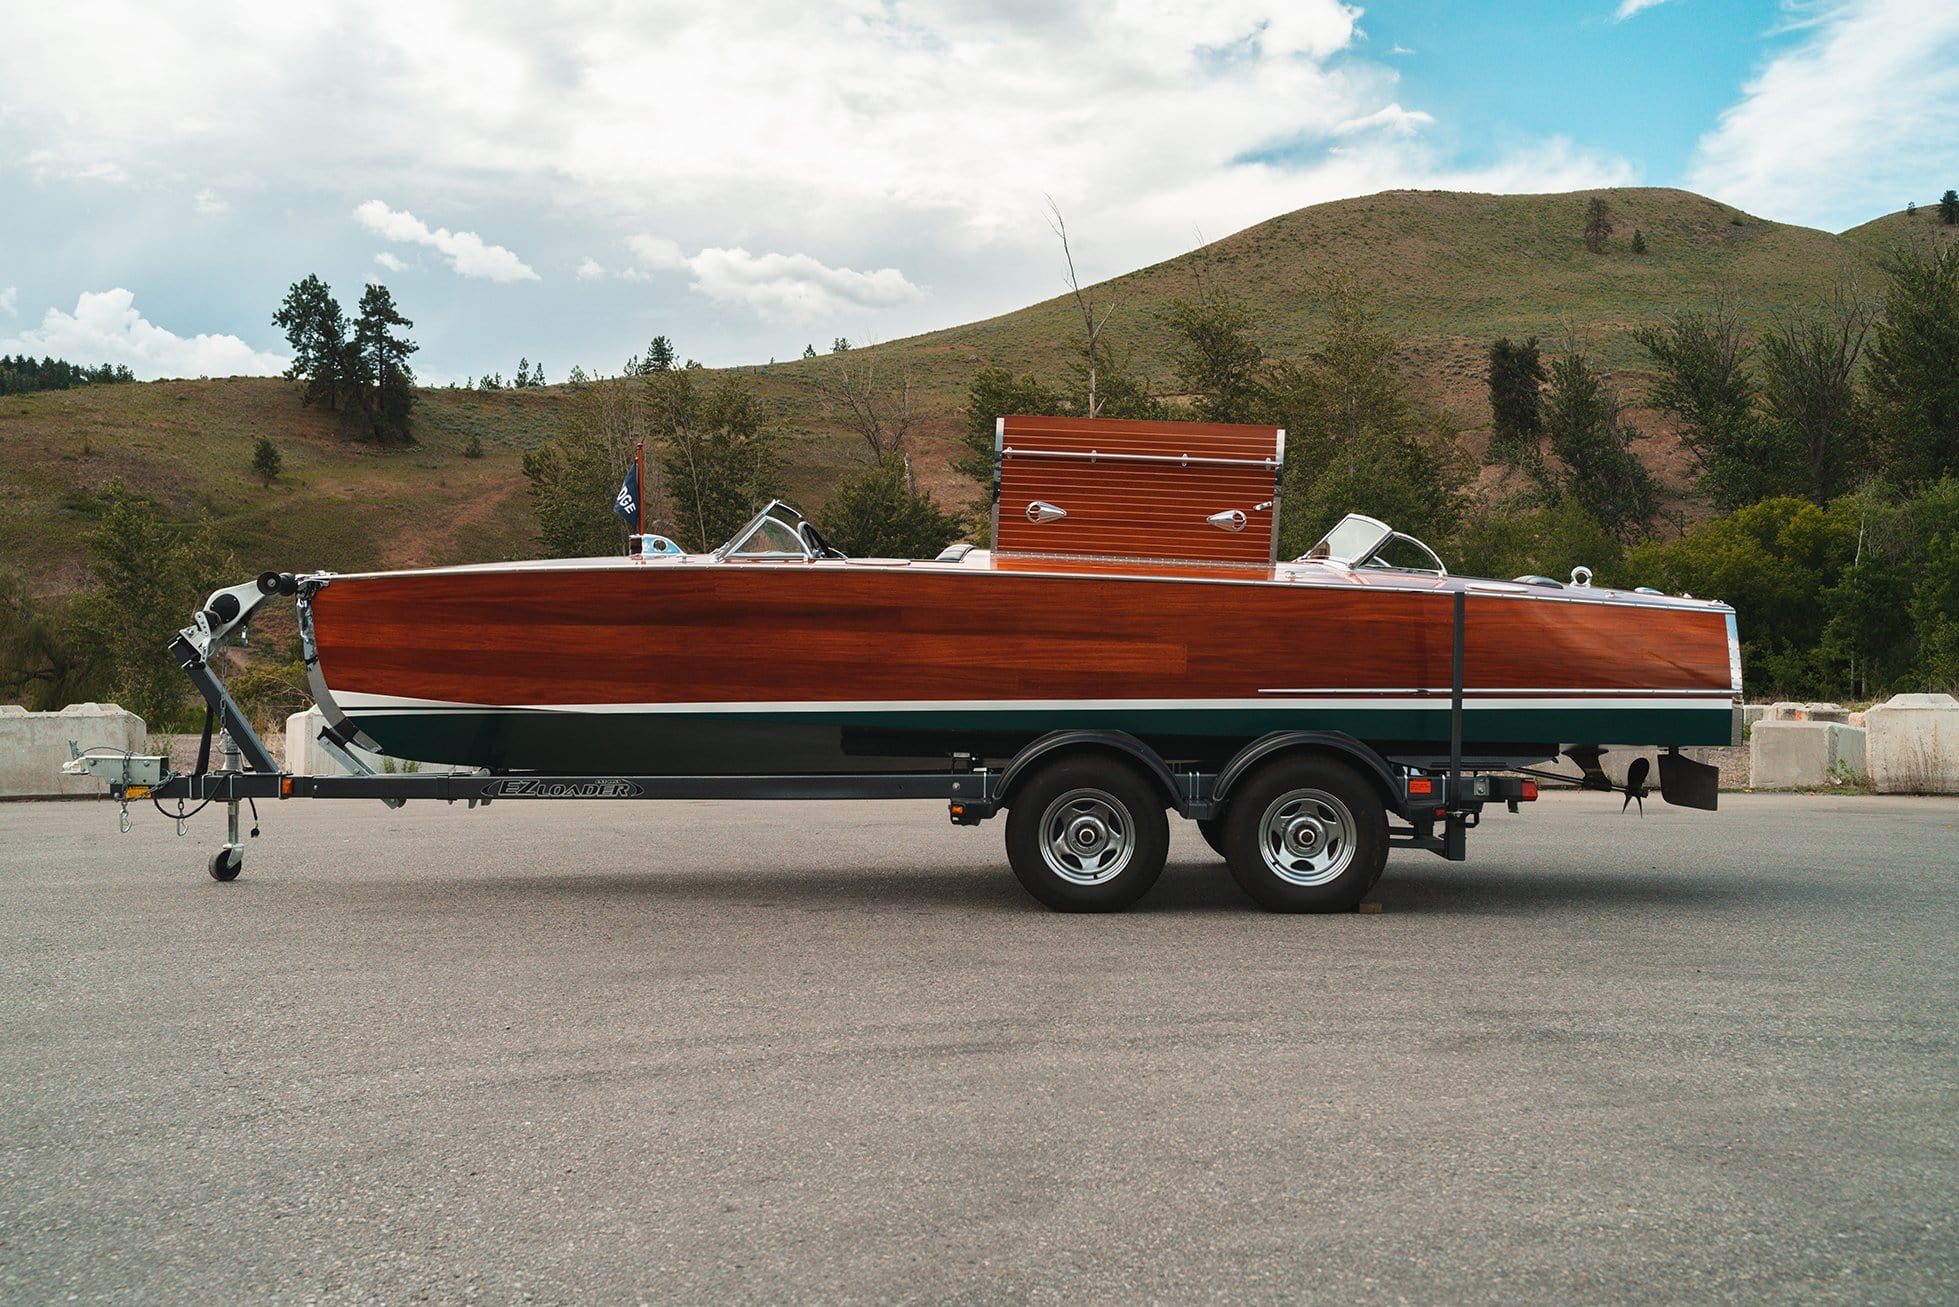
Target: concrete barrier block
{"x":306,"y":756}
{"x":1753,"y":712}
{"x":1798,"y":755}
{"x":33,"y":745}
{"x":1824,"y":712}
{"x":1784,"y":711}
{"x":1914,"y":744}
{"x":1731,"y":763}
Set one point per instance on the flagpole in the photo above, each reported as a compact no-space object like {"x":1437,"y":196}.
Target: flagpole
{"x":639,"y":479}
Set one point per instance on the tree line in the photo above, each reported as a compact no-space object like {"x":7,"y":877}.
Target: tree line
{"x":20,"y":374}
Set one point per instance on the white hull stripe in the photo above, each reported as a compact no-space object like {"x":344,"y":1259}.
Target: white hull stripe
{"x":1628,"y":701}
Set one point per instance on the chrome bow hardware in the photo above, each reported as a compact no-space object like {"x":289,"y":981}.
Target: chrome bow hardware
{"x":1231,"y":519}
{"x":1042,"y":511}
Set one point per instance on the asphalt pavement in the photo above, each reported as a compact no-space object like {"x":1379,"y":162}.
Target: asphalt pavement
{"x":701,"y":1052}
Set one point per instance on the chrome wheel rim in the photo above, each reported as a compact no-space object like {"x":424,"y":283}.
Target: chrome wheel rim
{"x":1307,"y":837}
{"x":1086,"y":838}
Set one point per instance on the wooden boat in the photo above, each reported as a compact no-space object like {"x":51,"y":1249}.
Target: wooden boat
{"x":1132,"y":586}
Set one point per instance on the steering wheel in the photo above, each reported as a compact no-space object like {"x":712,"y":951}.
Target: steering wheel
{"x":818,"y":546}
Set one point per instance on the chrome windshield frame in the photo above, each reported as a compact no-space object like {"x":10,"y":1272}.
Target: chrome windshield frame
{"x":787,"y":517}
{"x":1382,"y":536}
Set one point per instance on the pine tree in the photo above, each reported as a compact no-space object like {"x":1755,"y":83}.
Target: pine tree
{"x":1587,"y":435}
{"x":1912,"y":383}
{"x":659,"y":355}
{"x":378,"y":360}
{"x":1516,"y":379}
{"x":1949,"y":208}
{"x":1639,"y":241}
{"x":266,"y":460}
{"x":1598,"y":225}
{"x":317,"y":331}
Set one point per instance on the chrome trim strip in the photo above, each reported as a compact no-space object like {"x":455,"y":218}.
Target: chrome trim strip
{"x":358,"y":702}
{"x":1178,"y":460}
{"x":1294,"y":576}
{"x":1509,"y":689}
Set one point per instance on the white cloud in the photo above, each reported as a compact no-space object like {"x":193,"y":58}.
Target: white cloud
{"x":872,"y":134}
{"x":1392,"y":117}
{"x":106,"y":328}
{"x":73,"y":164}
{"x":590,"y":269}
{"x":1859,"y":117}
{"x":469,"y":254}
{"x":209,"y":203}
{"x":10,"y":301}
{"x":780,"y":287}
{"x":390,"y":262}
{"x":1627,"y":8}
{"x":657,"y":252}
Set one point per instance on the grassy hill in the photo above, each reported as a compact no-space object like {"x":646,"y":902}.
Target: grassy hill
{"x":1450,"y":271}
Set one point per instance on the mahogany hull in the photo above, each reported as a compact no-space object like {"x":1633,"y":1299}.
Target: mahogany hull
{"x":692,"y":665}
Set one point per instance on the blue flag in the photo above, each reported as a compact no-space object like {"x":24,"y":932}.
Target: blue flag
{"x":627,"y":504}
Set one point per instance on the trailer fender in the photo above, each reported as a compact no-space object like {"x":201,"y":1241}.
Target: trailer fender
{"x":1117,"y":742}
{"x":1333,"y":743}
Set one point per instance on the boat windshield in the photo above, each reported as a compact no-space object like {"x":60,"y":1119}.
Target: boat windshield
{"x":778,"y":531}
{"x":1358,"y":541}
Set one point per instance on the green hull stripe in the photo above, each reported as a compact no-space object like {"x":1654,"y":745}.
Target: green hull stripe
{"x":818,"y":741}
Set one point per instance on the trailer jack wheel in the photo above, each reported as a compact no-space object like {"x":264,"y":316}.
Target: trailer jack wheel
{"x":226,"y":863}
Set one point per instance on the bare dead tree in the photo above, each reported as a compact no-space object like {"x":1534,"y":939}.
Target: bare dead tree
{"x":882,"y":414}
{"x":1809,"y":366}
{"x":1085,"y":301}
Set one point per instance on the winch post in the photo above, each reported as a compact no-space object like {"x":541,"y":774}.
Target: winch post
{"x":230,"y":717}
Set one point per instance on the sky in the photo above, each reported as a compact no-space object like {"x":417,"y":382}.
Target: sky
{"x":563,"y":181}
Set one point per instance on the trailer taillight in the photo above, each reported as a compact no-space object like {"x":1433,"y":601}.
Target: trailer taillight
{"x":1530,"y":791}
{"x":1420,"y":785}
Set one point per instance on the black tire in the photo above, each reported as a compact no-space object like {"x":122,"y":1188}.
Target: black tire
{"x":1306,"y":834}
{"x":1212,"y":829}
{"x":1087,"y":834}
{"x":223,"y":867}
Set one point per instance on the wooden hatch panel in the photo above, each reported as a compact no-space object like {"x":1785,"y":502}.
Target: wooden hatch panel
{"x":1197,"y":492}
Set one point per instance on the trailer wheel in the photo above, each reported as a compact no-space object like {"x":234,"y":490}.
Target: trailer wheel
{"x":1307,"y":835}
{"x":1212,"y":829}
{"x":227,"y":863}
{"x":1087,"y":834}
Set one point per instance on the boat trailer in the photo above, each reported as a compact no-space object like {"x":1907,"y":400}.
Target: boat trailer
{"x":1438,"y":799}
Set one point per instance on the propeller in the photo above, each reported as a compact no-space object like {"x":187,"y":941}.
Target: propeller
{"x":1636,"y":784}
